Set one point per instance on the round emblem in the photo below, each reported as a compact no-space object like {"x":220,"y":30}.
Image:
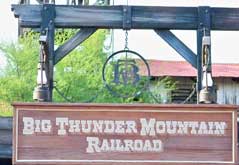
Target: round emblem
{"x":126,"y":74}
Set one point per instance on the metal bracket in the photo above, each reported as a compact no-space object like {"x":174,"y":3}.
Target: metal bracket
{"x":127,"y":17}
{"x":48,"y":16}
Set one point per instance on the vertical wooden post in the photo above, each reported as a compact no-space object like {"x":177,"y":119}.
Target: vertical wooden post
{"x":47,"y":27}
{"x":204,"y":26}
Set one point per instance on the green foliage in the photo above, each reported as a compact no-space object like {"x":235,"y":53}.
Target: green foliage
{"x":17,"y":77}
{"x":78,"y":76}
{"x":161,"y":89}
{"x":5,"y":109}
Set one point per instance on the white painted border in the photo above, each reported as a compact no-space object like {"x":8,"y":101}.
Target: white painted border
{"x":125,"y":161}
{"x":16,"y":140}
{"x":233,"y":140}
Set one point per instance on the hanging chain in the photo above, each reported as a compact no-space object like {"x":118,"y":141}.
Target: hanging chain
{"x":126,"y":40}
{"x":126,"y":34}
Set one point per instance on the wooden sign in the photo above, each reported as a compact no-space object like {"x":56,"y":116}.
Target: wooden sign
{"x":124,"y":134}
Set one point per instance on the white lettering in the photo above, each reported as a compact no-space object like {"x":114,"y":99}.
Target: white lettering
{"x":74,"y":126}
{"x":119,"y":126}
{"x":160,"y":127}
{"x":126,"y":145}
{"x":86,"y":129}
{"x":93,"y":145}
{"x":182,"y":127}
{"x":158,"y":146}
{"x":193,"y":125}
{"x":97,"y":126}
{"x":220,"y":128}
{"x":203,"y":129}
{"x":62,"y":122}
{"x":37,"y":125}
{"x":131,"y":126}
{"x":28,"y":126}
{"x":147,"y":128}
{"x":46,"y":126}
{"x":171,"y":127}
{"x":109,"y":126}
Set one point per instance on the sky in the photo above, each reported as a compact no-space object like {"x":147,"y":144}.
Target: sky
{"x":225,"y":47}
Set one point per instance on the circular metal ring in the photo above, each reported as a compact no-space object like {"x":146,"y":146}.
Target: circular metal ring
{"x":109,"y":87}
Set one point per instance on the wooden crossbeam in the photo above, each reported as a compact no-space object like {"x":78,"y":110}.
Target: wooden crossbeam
{"x":143,"y":17}
{"x":72,"y":43}
{"x":179,"y":46}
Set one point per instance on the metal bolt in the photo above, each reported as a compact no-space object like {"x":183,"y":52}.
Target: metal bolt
{"x":125,"y":10}
{"x":206,"y":11}
{"x":45,"y":8}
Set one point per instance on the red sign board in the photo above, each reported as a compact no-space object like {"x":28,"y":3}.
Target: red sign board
{"x":124,"y":134}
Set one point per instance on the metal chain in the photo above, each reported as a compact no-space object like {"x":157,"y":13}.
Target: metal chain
{"x":126,"y":40}
{"x":126,"y":34}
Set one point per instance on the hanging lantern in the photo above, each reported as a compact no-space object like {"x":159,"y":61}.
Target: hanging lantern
{"x":41,"y":92}
{"x":206,"y":93}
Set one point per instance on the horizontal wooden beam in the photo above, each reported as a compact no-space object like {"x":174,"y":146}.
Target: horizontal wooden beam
{"x":6,"y":123}
{"x":5,"y":151}
{"x":143,"y":17}
{"x":179,"y":46}
{"x":72,"y":43}
{"x":5,"y":136}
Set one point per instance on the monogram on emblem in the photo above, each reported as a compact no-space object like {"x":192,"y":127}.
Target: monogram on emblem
{"x":126,"y":72}
{"x":122,"y":74}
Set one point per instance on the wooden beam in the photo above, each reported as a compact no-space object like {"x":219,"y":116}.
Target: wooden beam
{"x":143,"y":17}
{"x":6,"y":136}
{"x":179,"y":46}
{"x":72,"y":43}
{"x":204,"y":23}
{"x":6,"y":123}
{"x":5,"y":151}
{"x":47,"y":29}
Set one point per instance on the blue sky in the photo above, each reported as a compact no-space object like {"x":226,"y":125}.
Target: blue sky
{"x":225,"y":47}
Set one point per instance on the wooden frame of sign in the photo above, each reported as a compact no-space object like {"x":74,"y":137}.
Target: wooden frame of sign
{"x":46,"y":133}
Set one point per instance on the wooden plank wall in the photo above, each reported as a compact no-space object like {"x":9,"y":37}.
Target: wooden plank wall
{"x":184,"y":88}
{"x":5,"y":137}
{"x":227,"y":91}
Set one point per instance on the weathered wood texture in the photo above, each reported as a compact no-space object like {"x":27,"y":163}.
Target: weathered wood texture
{"x":184,"y":87}
{"x":227,"y":91}
{"x":5,"y":123}
{"x":143,"y":17}
{"x":5,"y":151}
{"x":72,"y":43}
{"x":5,"y":137}
{"x":43,"y":148}
{"x":179,"y":46}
